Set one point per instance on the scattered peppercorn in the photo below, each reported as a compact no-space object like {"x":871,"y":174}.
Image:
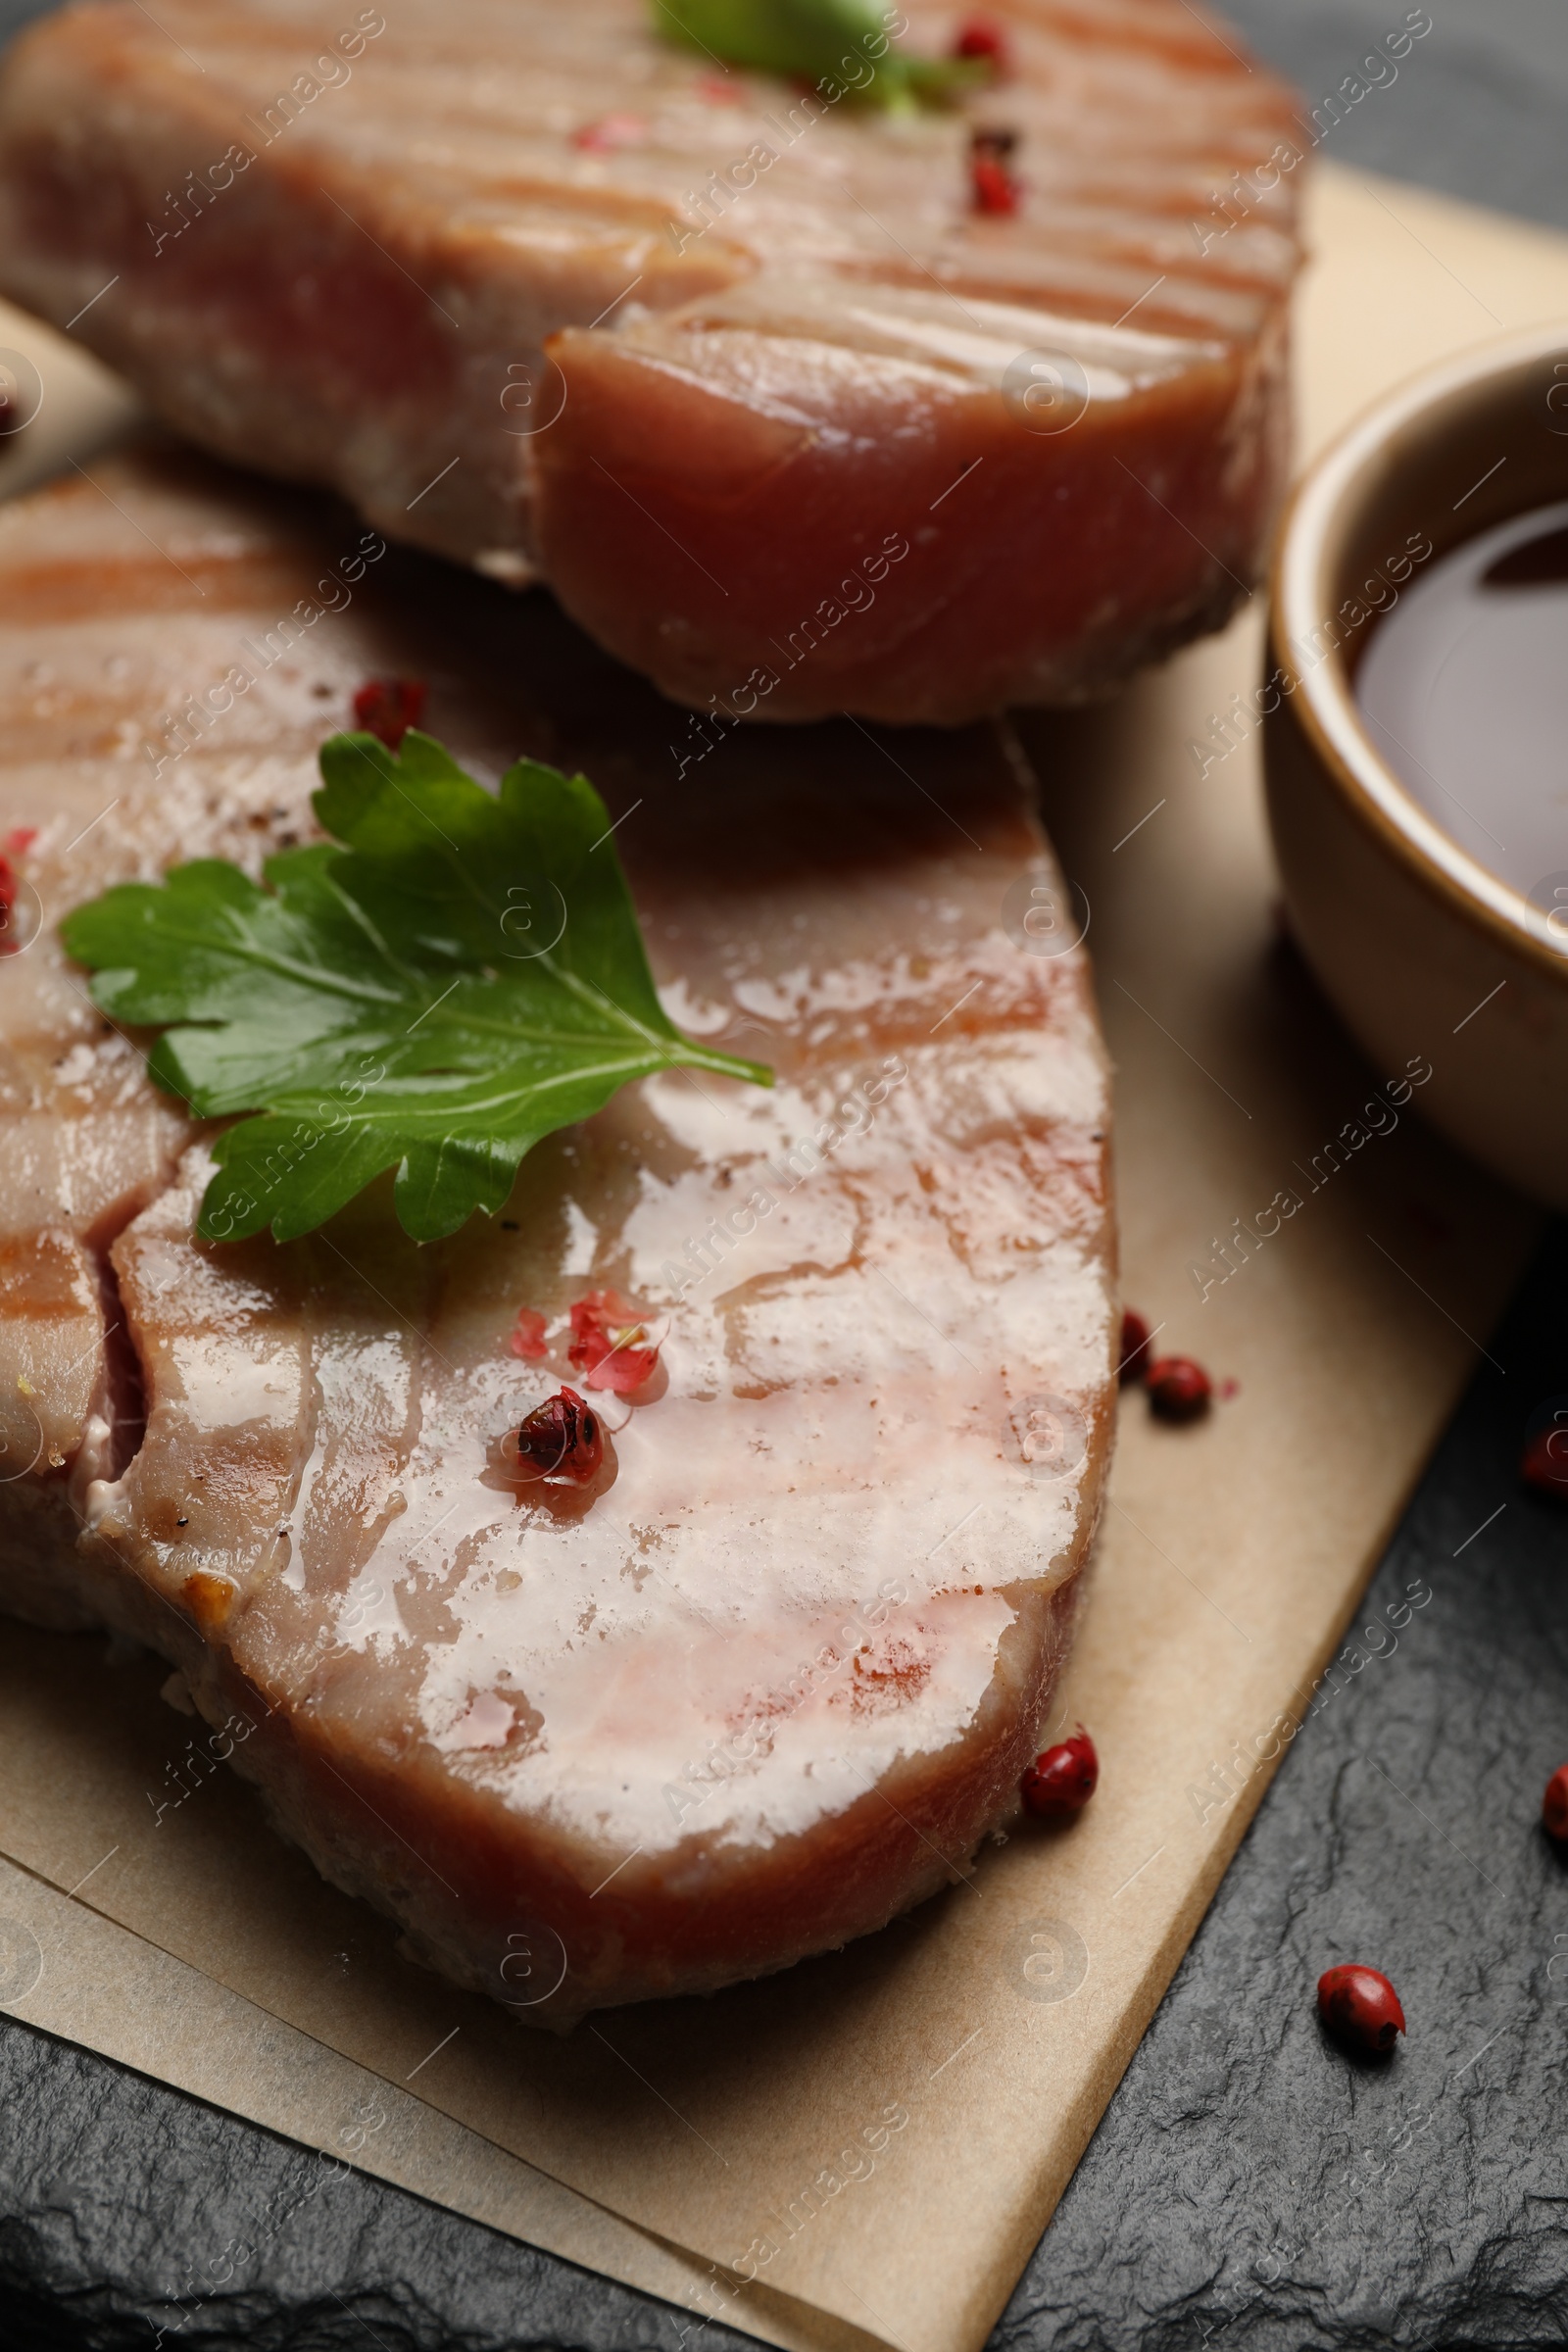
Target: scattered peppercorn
{"x":18,"y":840}
{"x":1135,"y":1338}
{"x":390,"y":707}
{"x":1062,"y":1778}
{"x":562,"y":1440}
{"x":610,"y":1343}
{"x":1178,"y":1388}
{"x":1555,"y":1806}
{"x":1359,"y":2007}
{"x":1545,"y":1465}
{"x":529,"y":1336}
{"x":983,"y":40}
{"x":993,"y":186}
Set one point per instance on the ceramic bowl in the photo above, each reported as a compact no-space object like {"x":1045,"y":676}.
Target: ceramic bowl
{"x":1424,"y":953}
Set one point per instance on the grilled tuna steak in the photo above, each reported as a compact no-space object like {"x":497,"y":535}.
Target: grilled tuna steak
{"x":786,"y":423}
{"x":767,"y":1677}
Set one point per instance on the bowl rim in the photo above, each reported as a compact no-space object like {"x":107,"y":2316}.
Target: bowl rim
{"x":1321,"y":697}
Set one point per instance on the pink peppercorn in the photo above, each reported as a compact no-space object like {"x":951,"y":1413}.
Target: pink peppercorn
{"x":1544,"y":1463}
{"x":1178,"y":1388}
{"x":1062,"y":1778}
{"x":1135,"y":1343}
{"x":983,"y":40}
{"x":562,"y":1440}
{"x":1360,"y":2008}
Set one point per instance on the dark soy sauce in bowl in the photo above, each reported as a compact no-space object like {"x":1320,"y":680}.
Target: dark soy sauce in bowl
{"x":1464,"y":690}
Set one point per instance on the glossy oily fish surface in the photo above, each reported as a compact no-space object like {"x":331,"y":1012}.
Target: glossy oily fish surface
{"x":789,"y":425}
{"x":770,"y":1675}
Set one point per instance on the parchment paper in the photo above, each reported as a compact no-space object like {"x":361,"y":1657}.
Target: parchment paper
{"x":963,"y":2056}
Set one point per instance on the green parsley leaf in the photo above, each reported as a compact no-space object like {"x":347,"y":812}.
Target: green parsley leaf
{"x":841,"y":46}
{"x":463,"y":977}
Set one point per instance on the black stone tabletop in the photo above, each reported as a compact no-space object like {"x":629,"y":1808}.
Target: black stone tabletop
{"x":1249,"y":2184}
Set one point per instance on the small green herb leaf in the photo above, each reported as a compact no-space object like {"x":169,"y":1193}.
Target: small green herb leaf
{"x":462,"y":978}
{"x":841,"y":46}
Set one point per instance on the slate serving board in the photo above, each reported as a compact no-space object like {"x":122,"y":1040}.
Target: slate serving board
{"x":1247,"y":2181}
{"x":1248,"y":2186}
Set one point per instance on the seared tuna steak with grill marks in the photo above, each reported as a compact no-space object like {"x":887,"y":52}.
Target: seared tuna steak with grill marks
{"x":786,"y":421}
{"x":766,"y":1668}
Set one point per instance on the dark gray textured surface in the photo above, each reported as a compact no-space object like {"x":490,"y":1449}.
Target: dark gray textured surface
{"x":1247,"y":2184}
{"x":1478,"y":108}
{"x":127,"y":2209}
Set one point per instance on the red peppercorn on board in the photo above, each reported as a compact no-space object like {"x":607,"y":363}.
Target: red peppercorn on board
{"x":864,"y":2149}
{"x":800,"y":406}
